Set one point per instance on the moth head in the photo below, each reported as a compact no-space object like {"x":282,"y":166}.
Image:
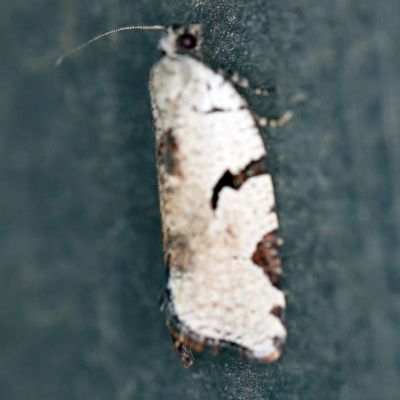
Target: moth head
{"x":182,"y":40}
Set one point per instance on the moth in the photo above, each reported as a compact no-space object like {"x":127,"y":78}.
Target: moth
{"x":217,"y":207}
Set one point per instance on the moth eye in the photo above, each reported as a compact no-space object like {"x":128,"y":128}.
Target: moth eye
{"x":188,"y":41}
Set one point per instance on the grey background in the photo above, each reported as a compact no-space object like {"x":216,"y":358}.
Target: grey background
{"x":80,"y":245}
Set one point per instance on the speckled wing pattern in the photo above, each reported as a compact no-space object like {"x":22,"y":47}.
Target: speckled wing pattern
{"x":217,"y":208}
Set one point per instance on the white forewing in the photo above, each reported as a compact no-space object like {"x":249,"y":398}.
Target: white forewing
{"x":204,"y":130}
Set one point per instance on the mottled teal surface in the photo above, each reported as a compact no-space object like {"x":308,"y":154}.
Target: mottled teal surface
{"x":81,"y":264}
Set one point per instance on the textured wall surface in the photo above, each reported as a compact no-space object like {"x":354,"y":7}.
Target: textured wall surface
{"x":80,"y":244}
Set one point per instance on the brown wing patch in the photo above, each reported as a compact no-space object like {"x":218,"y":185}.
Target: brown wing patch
{"x":254,"y":168}
{"x":267,"y":257}
{"x":167,"y":150}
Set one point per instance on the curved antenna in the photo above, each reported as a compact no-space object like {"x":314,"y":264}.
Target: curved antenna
{"x":125,"y":28}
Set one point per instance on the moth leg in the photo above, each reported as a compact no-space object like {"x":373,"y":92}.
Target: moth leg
{"x":238,"y":80}
{"x":275,"y":123}
{"x":183,"y":352}
{"x":244,"y":83}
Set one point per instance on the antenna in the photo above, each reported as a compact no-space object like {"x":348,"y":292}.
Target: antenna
{"x":125,"y":28}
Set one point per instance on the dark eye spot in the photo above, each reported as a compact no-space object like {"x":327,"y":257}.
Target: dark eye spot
{"x":188,"y":41}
